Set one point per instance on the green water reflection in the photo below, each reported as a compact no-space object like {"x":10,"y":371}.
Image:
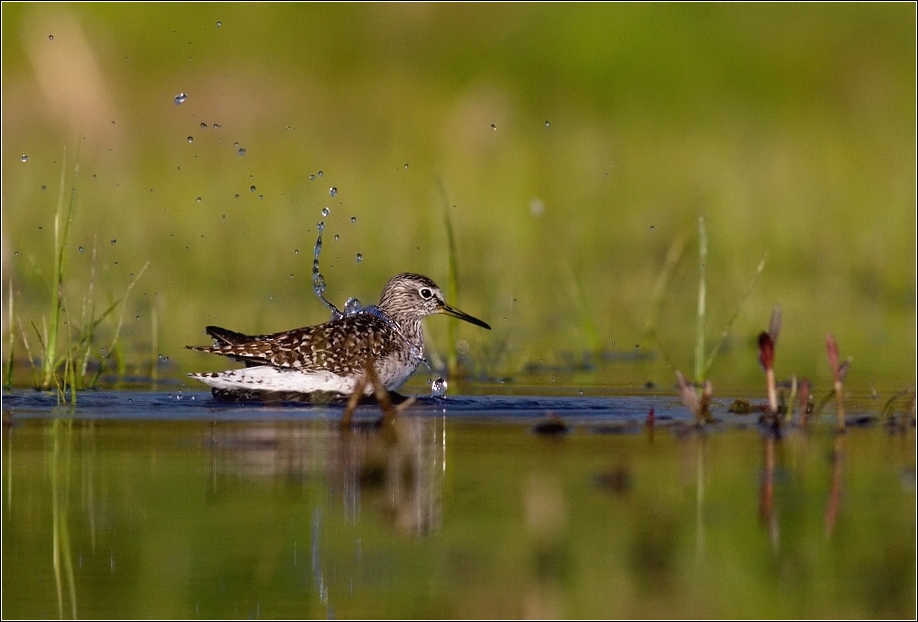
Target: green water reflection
{"x":447,"y":518}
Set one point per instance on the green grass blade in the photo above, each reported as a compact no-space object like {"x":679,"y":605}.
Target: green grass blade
{"x":61,"y":233}
{"x":10,"y":360}
{"x":736,"y":312}
{"x":452,"y":284}
{"x":702,"y":294}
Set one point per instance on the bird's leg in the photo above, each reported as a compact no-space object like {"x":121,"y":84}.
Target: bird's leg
{"x":353,"y":401}
{"x":380,"y":393}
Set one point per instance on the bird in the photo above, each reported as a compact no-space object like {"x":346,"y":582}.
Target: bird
{"x":332,"y":358}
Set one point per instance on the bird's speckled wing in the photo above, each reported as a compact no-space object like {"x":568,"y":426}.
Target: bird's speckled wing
{"x":340,"y":347}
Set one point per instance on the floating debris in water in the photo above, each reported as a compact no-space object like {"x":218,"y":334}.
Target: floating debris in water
{"x":617,"y":481}
{"x":553,"y":426}
{"x":742,"y":407}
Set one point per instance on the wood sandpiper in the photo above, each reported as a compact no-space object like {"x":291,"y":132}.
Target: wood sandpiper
{"x":332,"y":357}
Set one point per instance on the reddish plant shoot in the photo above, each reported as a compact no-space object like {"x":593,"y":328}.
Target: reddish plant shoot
{"x":839,"y":372}
{"x":832,"y":351}
{"x":766,"y":351}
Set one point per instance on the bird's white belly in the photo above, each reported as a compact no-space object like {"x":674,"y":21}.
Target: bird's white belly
{"x":269,"y":378}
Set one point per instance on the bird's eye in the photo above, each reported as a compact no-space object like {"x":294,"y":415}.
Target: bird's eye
{"x":425,"y":292}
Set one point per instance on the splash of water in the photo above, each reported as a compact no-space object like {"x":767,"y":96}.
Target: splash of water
{"x":353,"y":306}
{"x":438,"y":387}
{"x":318,"y":281}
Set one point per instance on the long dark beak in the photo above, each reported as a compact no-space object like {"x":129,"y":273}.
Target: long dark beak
{"x":448,"y":310}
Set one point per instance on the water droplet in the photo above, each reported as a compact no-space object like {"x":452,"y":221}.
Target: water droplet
{"x":180,"y":99}
{"x":251,"y":188}
{"x":241,"y":151}
{"x":359,"y":257}
{"x":137,"y":317}
{"x":291,"y":275}
{"x":191,"y":139}
{"x":217,"y":126}
{"x":237,"y":196}
{"x":198,"y":199}
{"x":81,"y":249}
{"x":203,"y":126}
{"x":352,"y":306}
{"x":114,"y":240}
{"x":44,"y":187}
{"x":652,"y":227}
{"x":332,"y":192}
{"x":50,"y":37}
{"x":261,"y":197}
{"x":493,"y":127}
{"x":353,"y":219}
{"x":406,"y":165}
{"x":312,"y":178}
{"x":219,"y":23}
{"x":320,"y":173}
{"x":325,"y":211}
{"x":296,"y":251}
{"x":24,"y":158}
{"x":547,"y":124}
{"x":40,"y":228}
{"x":438,"y":387}
{"x":337,"y":237}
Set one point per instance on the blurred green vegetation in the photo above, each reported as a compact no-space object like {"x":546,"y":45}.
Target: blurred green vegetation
{"x":576,"y":144}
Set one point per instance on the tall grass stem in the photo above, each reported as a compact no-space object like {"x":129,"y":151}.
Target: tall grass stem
{"x":452,"y":283}
{"x":702,"y":294}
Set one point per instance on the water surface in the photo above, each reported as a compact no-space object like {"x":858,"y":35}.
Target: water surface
{"x":138,"y":504}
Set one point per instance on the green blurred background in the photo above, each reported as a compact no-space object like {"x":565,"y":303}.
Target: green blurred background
{"x":573,"y":147}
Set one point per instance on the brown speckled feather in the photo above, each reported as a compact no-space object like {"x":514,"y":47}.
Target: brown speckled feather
{"x":341,"y":346}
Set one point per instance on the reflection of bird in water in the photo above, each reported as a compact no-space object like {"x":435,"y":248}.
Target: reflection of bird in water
{"x":395,"y":472}
{"x":331,"y":357}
